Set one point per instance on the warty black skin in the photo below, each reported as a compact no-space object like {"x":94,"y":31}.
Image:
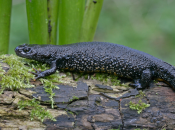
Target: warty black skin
{"x":100,"y":57}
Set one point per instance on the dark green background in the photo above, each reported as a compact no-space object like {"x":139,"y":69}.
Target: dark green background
{"x":146,"y":25}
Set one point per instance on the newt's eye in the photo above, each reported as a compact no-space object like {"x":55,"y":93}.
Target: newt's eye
{"x":27,"y":50}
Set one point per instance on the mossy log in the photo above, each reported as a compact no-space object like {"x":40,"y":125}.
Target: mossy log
{"x":90,"y":105}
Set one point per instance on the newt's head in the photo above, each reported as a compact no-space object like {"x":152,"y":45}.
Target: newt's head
{"x":34,"y":51}
{"x":26,"y":51}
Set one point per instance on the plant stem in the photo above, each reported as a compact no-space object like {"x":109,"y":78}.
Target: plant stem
{"x":5,"y":13}
{"x":70,"y":20}
{"x":52,"y":8}
{"x":37,"y":21}
{"x":90,"y":20}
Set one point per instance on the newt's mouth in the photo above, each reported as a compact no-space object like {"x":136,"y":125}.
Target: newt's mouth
{"x":18,"y":51}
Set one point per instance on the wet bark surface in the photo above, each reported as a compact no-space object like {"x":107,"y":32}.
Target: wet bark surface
{"x":90,"y":105}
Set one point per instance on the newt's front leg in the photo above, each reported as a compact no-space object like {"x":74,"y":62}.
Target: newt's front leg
{"x":42,"y":74}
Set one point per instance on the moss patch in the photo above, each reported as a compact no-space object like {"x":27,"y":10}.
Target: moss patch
{"x":140,"y":106}
{"x":17,"y":76}
{"x":73,"y":98}
{"x":103,"y":77}
{"x":36,"y":110}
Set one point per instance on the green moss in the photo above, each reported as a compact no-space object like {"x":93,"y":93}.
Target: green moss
{"x":70,"y":112}
{"x":155,"y":81}
{"x":103,"y":77}
{"x":73,"y":98}
{"x":115,"y":129}
{"x":140,"y":129}
{"x":106,"y":78}
{"x":48,"y":86}
{"x":17,"y":76}
{"x":36,"y":109}
{"x":67,"y":73}
{"x":141,"y":94}
{"x":138,"y":106}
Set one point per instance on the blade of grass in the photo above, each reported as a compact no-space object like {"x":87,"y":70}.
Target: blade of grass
{"x":5,"y":13}
{"x":70,"y":20}
{"x":37,"y":21}
{"x":90,"y":20}
{"x":52,"y":8}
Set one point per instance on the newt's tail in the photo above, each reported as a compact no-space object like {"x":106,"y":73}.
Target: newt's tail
{"x":167,"y":75}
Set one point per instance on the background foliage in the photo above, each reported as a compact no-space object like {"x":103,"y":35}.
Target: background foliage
{"x":145,"y":25}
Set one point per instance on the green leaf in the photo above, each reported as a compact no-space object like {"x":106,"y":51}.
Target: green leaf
{"x":37,"y":21}
{"x":5,"y":13}
{"x":90,"y":20}
{"x":70,"y":20}
{"x":52,"y":9}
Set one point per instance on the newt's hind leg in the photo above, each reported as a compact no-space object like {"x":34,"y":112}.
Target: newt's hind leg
{"x":144,"y":81}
